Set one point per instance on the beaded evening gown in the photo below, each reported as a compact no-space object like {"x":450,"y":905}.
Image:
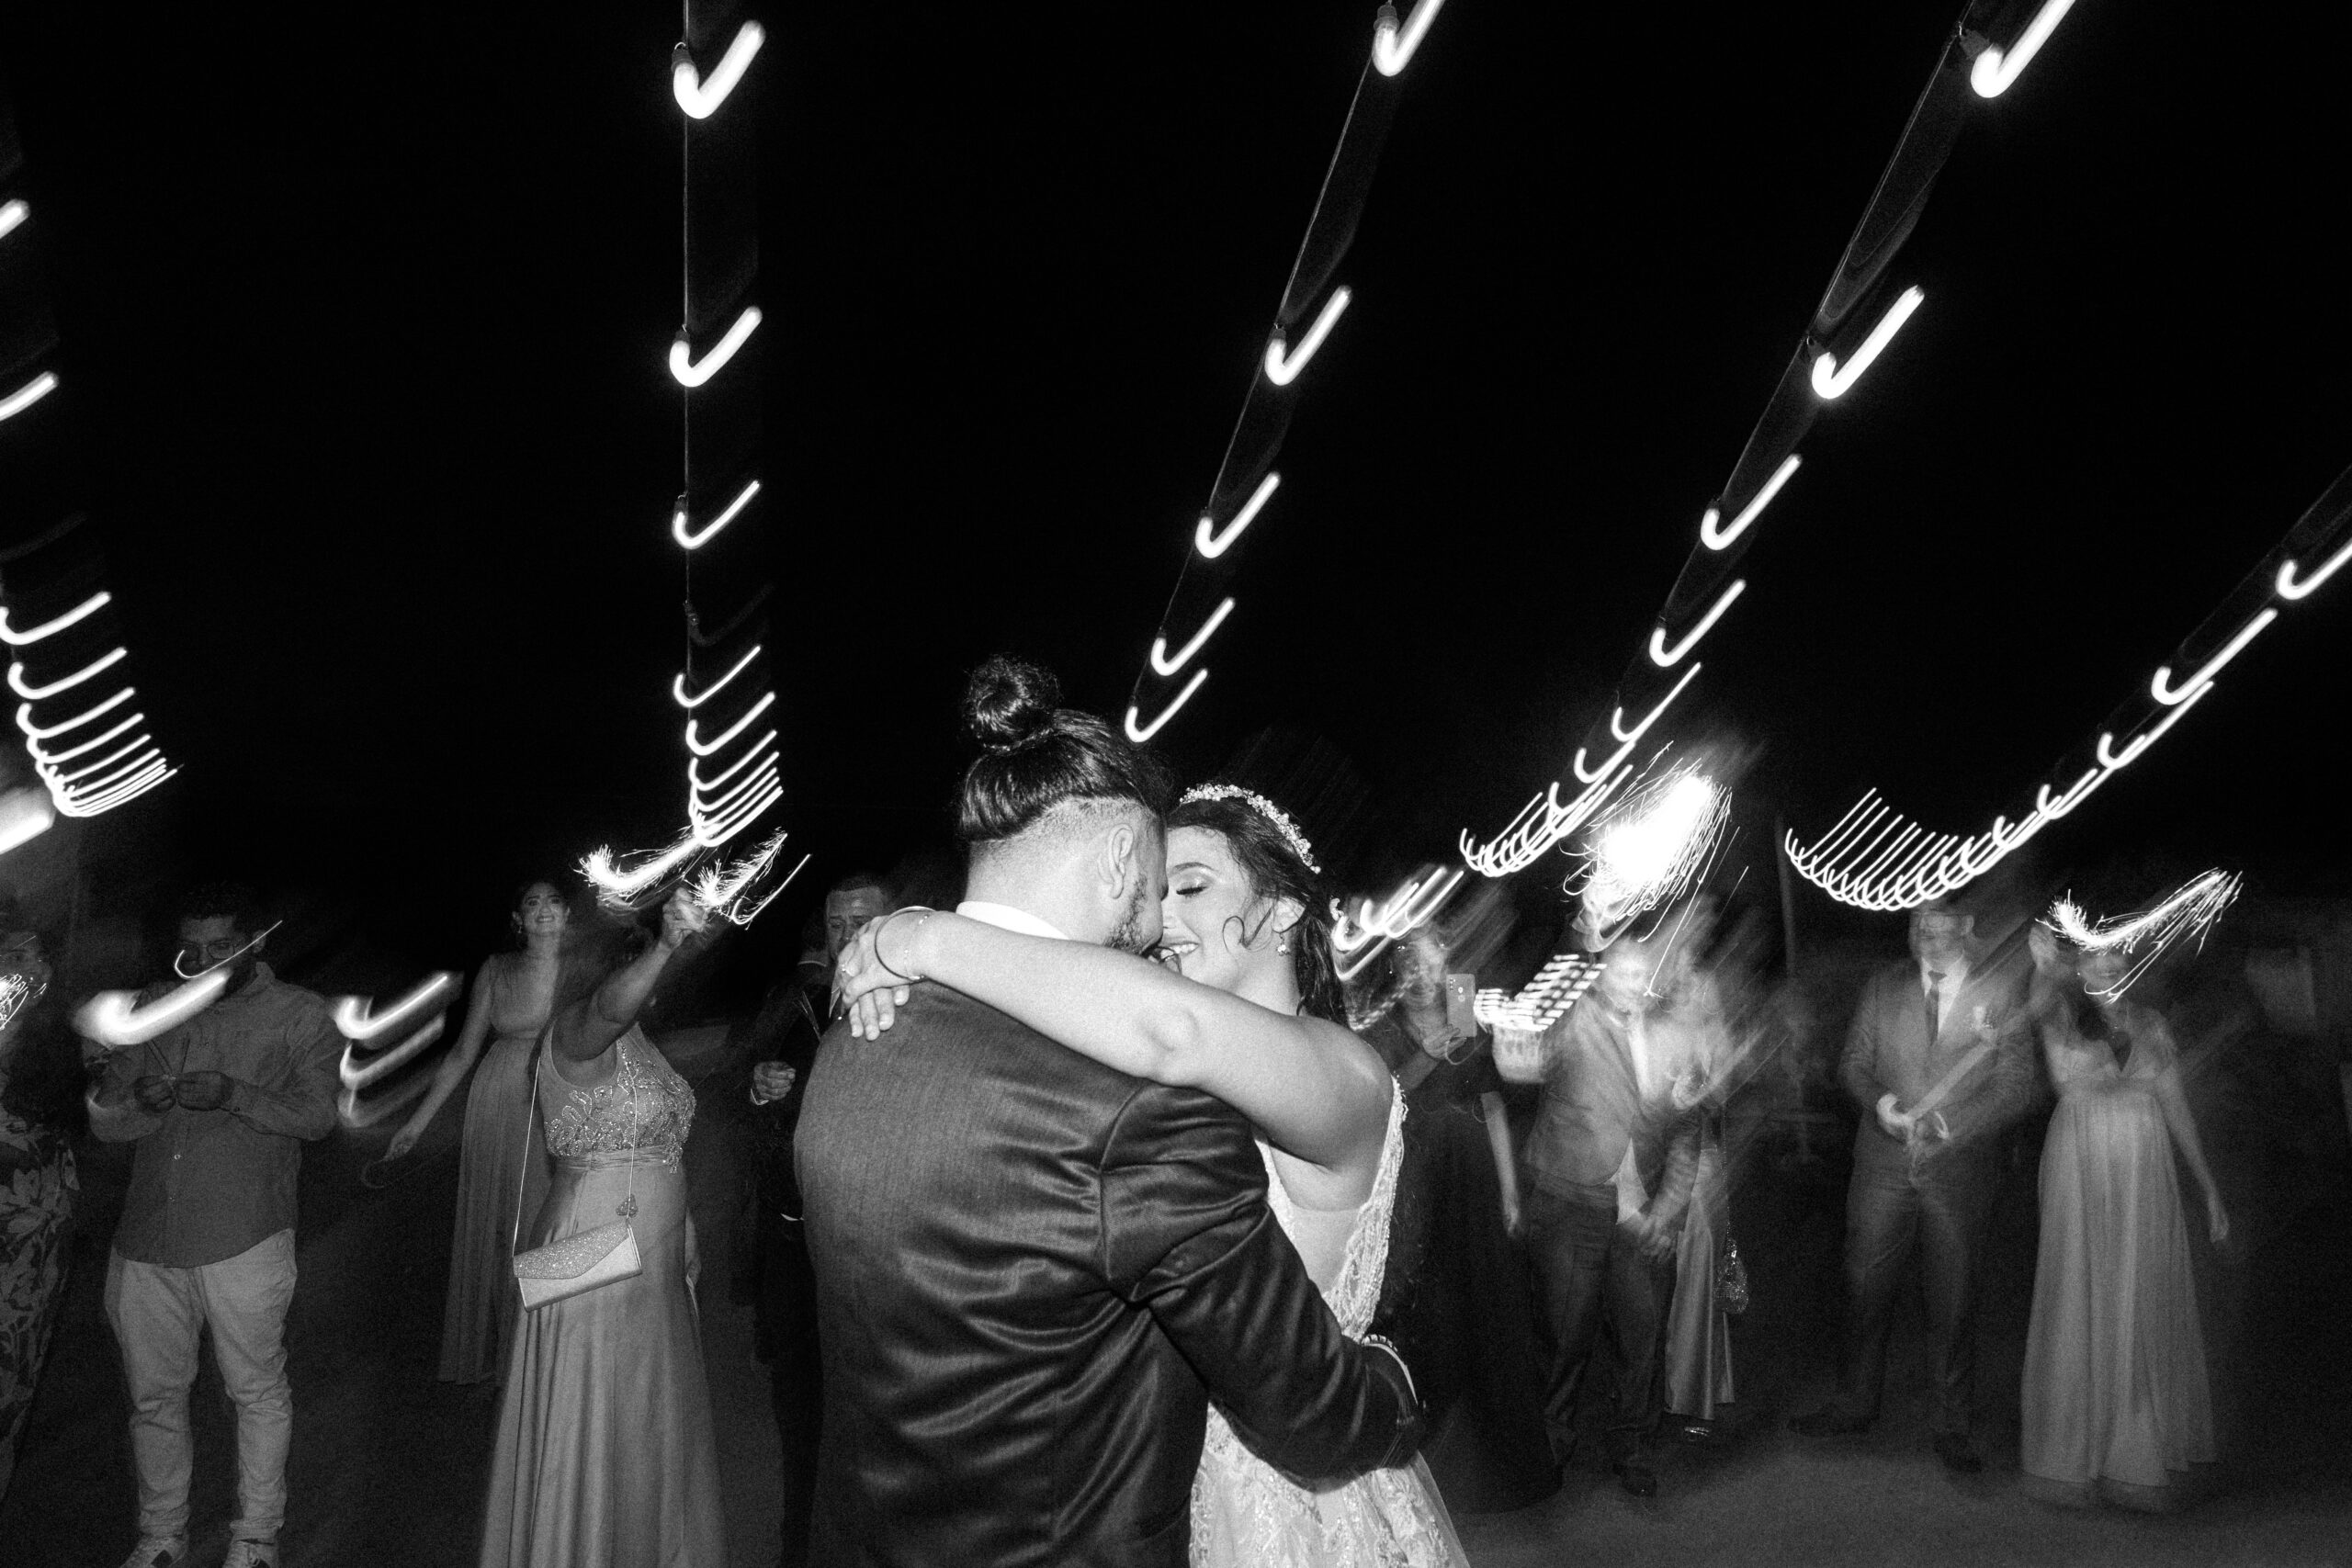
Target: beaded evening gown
{"x":2116,"y":1403}
{"x":500,"y":1153}
{"x":606,"y":1456}
{"x":1245,"y":1515}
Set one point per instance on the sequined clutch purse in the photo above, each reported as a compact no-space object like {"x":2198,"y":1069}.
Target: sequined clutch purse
{"x":1731,"y":1281}
{"x":578,"y":1264}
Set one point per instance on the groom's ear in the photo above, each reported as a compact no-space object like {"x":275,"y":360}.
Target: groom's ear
{"x":1121,"y":859}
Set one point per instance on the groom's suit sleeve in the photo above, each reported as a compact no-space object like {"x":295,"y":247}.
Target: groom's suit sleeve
{"x":1186,"y":1234}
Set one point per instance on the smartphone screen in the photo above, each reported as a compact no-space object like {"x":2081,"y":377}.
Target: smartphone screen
{"x":1460,"y":1017}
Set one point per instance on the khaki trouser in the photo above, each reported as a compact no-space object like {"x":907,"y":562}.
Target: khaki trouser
{"x":158,"y":1314}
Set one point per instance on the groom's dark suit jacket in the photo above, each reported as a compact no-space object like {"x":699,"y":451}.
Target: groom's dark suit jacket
{"x":1033,"y":1274}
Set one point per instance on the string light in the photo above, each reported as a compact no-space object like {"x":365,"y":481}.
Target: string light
{"x":1995,"y":69}
{"x":2192,"y":910}
{"x":1830,"y":381}
{"x":1212,"y":542}
{"x":2287,"y":586}
{"x":1164,"y":665}
{"x":691,"y":374}
{"x":28,"y":395}
{"x":1393,"y":48}
{"x":678,"y":683}
{"x":35,"y":693}
{"x":1718,"y":538}
{"x":696,"y":538}
{"x":83,"y":612}
{"x":1667,"y":657}
{"x":1282,"y":369}
{"x":2160,"y":685}
{"x":12,"y":213}
{"x":1140,"y":734}
{"x":700,"y":95}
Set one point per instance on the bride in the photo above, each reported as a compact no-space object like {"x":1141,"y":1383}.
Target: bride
{"x":1253,"y":1021}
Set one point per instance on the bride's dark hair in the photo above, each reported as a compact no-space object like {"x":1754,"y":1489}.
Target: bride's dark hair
{"x":1036,"y":755}
{"x":1275,"y":871}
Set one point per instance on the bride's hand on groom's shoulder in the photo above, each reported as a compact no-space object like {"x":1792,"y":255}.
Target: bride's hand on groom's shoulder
{"x":865,"y":988}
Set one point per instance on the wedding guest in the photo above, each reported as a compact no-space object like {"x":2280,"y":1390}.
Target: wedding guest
{"x":219,"y":1109}
{"x":1696,"y":1358}
{"x":1614,"y":1160}
{"x":2116,"y":1401}
{"x":1455,"y":1276}
{"x":42,"y":1114}
{"x":606,"y":1456}
{"x":502,"y":1166}
{"x":785,"y":1036}
{"x":1938,"y":1061}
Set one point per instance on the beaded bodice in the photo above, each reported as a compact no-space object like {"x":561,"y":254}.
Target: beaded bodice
{"x":645,"y":1105}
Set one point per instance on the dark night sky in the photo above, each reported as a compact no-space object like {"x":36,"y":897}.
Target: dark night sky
{"x":368,"y":310}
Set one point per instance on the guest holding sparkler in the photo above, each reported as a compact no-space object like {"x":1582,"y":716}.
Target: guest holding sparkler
{"x":502,"y":1157}
{"x":2117,"y":1404}
{"x":40,"y":1115}
{"x":606,"y":1456}
{"x":1938,"y":1061}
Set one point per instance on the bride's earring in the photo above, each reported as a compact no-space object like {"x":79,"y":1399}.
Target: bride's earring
{"x":1282,"y":944}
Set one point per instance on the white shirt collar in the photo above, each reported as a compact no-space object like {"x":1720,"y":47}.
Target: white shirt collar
{"x":1006,"y":918}
{"x":1953,"y":976}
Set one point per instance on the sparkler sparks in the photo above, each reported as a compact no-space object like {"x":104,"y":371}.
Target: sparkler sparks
{"x":14,"y":992}
{"x":2144,"y":938}
{"x":1652,"y":846}
{"x":722,"y":891}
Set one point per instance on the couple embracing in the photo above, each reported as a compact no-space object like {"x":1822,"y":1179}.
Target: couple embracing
{"x":1098,"y":1241}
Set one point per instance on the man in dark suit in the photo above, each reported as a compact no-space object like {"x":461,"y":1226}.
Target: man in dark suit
{"x":1940,"y":1061}
{"x":1034,"y":1272}
{"x":1614,"y":1158}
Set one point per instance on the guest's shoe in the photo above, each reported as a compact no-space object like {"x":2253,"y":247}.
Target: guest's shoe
{"x":157,"y":1552}
{"x":1692,"y":1432}
{"x":251,"y":1554}
{"x":1634,"y":1474}
{"x":1959,"y":1455}
{"x":1828,"y":1422}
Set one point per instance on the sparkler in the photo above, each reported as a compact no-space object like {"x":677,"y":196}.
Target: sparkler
{"x":721,"y":891}
{"x":1651,"y":847}
{"x":2144,"y":938}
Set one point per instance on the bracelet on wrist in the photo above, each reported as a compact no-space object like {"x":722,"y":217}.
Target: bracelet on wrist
{"x":924,"y":913}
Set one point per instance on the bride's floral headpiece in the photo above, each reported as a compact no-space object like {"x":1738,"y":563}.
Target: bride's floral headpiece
{"x":1263,"y":807}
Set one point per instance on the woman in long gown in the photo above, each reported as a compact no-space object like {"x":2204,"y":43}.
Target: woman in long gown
{"x":1696,"y":1356}
{"x":606,"y":1456}
{"x":1254,"y":1011}
{"x":41,"y":1114}
{"x":501,"y":1151}
{"x":2116,"y":1401}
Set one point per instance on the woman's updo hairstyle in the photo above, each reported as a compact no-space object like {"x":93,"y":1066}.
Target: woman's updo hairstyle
{"x":1036,"y":755}
{"x":1275,"y":871}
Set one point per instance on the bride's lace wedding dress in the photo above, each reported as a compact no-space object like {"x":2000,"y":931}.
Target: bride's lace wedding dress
{"x":1246,"y":1515}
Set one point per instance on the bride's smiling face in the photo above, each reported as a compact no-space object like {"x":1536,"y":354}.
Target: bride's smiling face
{"x":1211,"y":912}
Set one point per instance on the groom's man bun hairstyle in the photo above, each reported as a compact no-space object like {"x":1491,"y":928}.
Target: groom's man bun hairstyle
{"x":1037,"y":756}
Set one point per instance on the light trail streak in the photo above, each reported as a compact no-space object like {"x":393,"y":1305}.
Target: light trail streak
{"x":1282,"y":369}
{"x":1996,"y":69}
{"x":26,"y":395}
{"x":1830,"y":381}
{"x":614,"y":880}
{"x":702,"y":786}
{"x":1667,"y":657}
{"x":356,"y":1079}
{"x":1720,"y":538}
{"x":355,"y":1018}
{"x":11,"y":214}
{"x":1539,"y":824}
{"x":2289,"y":586}
{"x":696,"y":538}
{"x":42,"y":758}
{"x":87,"y":608}
{"x":2160,"y":685}
{"x":105,"y":661}
{"x":700,"y":95}
{"x":702,"y":748}
{"x":115,"y":1019}
{"x":356,"y":1116}
{"x":1393,"y":48}
{"x":1140,"y":734}
{"x":1213,"y":542}
{"x":1164,"y":665}
{"x":1543,"y":1000}
{"x":678,"y":683}
{"x":690,"y":374}
{"x":39,"y":732}
{"x":1357,"y":939}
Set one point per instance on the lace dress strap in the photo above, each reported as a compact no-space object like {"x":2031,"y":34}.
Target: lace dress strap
{"x":1355,"y":1293}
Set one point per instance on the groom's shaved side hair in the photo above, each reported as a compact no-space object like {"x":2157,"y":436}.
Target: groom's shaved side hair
{"x":1044,"y":769}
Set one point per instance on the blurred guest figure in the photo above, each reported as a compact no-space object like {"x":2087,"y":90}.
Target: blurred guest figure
{"x":42,"y":1114}
{"x":606,"y":1456}
{"x":784,"y":1037}
{"x":2116,"y":1400}
{"x":1454,"y":1275}
{"x":1937,"y":1060}
{"x":1695,"y":1039}
{"x":1614,"y":1160}
{"x":220,"y":1108}
{"x":502,"y":1158}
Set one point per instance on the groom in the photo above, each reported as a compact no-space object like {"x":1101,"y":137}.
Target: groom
{"x":1034,"y":1272}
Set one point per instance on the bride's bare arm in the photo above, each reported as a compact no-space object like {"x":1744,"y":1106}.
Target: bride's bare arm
{"x":1316,"y":1091}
